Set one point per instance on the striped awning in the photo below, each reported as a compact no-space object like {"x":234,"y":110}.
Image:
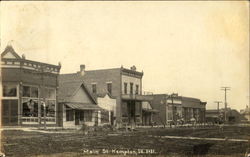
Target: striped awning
{"x":83,"y":106}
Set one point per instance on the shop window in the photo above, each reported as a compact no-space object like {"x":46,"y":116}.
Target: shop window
{"x":26,"y":91}
{"x":30,"y":108}
{"x":50,"y":108}
{"x":34,"y":92}
{"x":50,"y":93}
{"x":9,"y":91}
{"x":30,"y":102}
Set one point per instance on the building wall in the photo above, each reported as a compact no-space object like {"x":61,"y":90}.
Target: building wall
{"x":107,"y":103}
{"x":24,"y":77}
{"x":128,"y":80}
{"x":183,"y":107}
{"x":159,"y":104}
{"x":28,"y":76}
{"x":101,"y":78}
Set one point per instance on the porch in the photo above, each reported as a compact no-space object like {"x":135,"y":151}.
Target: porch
{"x":77,"y":114}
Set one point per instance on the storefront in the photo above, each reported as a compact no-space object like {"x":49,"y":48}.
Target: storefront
{"x":26,"y":85}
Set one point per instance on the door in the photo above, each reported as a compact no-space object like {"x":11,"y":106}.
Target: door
{"x":77,"y":114}
{"x":131,"y":112}
{"x":9,"y":112}
{"x":112,"y":117}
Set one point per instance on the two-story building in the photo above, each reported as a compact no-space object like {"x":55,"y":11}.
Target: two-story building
{"x":29,"y":91}
{"x":125,"y":85}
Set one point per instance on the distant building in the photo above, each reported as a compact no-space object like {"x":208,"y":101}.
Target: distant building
{"x":214,"y":116}
{"x":125,"y":85}
{"x":233,"y":116}
{"x":148,"y":114}
{"x":26,"y":87}
{"x":246,"y":113}
{"x":174,"y":108}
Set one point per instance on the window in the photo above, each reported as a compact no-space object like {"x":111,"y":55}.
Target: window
{"x":34,"y":92}
{"x":88,"y":116}
{"x":137,"y":89}
{"x":131,"y":88}
{"x":30,"y":101}
{"x":26,"y":91}
{"x":9,"y":91}
{"x":94,"y":88}
{"x":50,"y":93}
{"x":125,"y":88}
{"x":69,"y":114}
{"x":109,"y":88}
{"x":50,"y":96}
{"x":30,"y":107}
{"x":81,"y":115}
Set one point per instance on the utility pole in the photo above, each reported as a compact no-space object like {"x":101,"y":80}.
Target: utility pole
{"x":218,"y":106}
{"x":225,"y":110}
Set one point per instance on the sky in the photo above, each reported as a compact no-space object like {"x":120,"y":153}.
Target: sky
{"x":186,"y":47}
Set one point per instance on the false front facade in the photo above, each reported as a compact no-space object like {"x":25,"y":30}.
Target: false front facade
{"x":29,"y":91}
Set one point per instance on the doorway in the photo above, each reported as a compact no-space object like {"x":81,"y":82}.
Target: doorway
{"x":9,"y":112}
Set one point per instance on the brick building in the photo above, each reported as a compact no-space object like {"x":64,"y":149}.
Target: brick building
{"x":26,"y":86}
{"x":123,"y":84}
{"x":173,"y":108}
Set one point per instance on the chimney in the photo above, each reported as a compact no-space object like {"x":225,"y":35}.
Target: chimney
{"x":82,"y":69}
{"x":23,"y":56}
{"x":133,"y":68}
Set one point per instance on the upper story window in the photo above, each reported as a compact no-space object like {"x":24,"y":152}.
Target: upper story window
{"x":125,"y":88}
{"x":131,"y":88}
{"x":137,"y":89}
{"x":9,"y":90}
{"x":109,"y":88}
{"x":94,"y":88}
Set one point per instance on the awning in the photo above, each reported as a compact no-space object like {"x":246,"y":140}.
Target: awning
{"x":82,"y":106}
{"x":150,"y":110}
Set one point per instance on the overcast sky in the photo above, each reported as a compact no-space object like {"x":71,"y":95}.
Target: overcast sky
{"x":190,"y":48}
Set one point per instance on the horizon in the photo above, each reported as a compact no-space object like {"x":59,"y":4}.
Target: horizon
{"x":203,"y":48}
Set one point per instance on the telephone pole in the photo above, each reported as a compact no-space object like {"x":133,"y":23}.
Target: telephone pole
{"x":218,"y":105}
{"x":225,"y":110}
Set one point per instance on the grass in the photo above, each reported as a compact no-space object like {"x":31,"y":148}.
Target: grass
{"x":22,"y":143}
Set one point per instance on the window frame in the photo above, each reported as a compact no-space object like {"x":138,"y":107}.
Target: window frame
{"x":125,"y":88}
{"x":131,"y":88}
{"x":109,"y":89}
{"x":136,"y":89}
{"x":10,"y":97}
